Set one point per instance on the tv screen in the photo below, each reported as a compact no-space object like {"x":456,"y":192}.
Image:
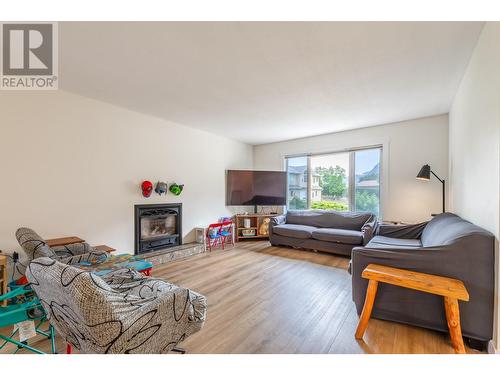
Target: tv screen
{"x":249,"y":188}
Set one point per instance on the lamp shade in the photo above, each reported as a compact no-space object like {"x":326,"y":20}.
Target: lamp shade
{"x":425,"y":173}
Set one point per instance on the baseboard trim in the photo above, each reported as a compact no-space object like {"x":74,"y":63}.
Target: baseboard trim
{"x":491,"y":348}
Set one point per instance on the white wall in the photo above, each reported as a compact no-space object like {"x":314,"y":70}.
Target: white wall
{"x":406,"y":147}
{"x":72,"y":166}
{"x":475,"y":139}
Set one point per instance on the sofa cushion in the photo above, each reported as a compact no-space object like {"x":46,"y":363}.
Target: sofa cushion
{"x":294,"y":230}
{"x":338,"y":235}
{"x":329,"y":219}
{"x":379,"y":242}
{"x":447,"y":228}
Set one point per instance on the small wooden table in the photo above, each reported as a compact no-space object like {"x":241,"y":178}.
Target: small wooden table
{"x":63,"y":241}
{"x":72,"y":240}
{"x":451,"y":289}
{"x":3,"y":277}
{"x":105,"y":248}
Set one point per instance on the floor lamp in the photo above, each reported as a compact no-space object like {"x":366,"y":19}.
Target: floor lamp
{"x":425,"y":174}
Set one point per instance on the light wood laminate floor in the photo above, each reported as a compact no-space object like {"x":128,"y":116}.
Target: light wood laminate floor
{"x":264,"y":299}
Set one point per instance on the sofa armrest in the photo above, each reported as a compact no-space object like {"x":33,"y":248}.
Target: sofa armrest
{"x":417,"y":259}
{"x":409,"y":231}
{"x":94,"y":256}
{"x":276,"y":220}
{"x":132,"y":282}
{"x":168,"y":319}
{"x":72,"y":249}
{"x":369,"y":229}
{"x":427,"y":260}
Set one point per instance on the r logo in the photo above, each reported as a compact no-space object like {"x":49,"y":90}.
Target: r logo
{"x":27,"y":49}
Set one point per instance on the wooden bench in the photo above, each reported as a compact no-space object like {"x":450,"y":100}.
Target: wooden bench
{"x":451,"y":289}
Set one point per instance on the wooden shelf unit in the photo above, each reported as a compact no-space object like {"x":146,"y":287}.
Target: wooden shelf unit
{"x":255,"y":223}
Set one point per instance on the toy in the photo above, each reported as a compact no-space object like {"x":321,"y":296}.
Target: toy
{"x":23,"y":307}
{"x":176,"y":189}
{"x":264,"y":227}
{"x":147,"y":188}
{"x":161,"y":188}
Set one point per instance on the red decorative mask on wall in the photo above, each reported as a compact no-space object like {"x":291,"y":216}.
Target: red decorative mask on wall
{"x":147,"y":188}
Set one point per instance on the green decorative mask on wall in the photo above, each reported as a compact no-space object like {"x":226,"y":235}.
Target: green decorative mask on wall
{"x":176,"y":189}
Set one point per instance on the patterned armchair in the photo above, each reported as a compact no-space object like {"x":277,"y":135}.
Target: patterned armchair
{"x":124,"y":312}
{"x":34,"y":247}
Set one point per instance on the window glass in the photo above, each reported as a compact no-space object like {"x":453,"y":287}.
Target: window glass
{"x":339,"y":181}
{"x":367,"y":181}
{"x":330,"y":182}
{"x":297,"y":184}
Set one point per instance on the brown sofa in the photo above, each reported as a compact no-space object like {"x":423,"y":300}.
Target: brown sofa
{"x":328,"y":231}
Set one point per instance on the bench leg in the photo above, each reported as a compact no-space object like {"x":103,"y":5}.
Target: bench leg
{"x":371,"y":292}
{"x":453,"y":319}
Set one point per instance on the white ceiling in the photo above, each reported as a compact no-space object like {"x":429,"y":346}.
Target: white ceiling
{"x":260,"y":82}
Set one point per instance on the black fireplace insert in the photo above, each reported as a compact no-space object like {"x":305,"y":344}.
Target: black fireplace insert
{"x":157,"y":226}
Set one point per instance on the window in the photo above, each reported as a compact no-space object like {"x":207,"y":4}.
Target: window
{"x":330,"y":188}
{"x":367,"y":181}
{"x":297,"y":185}
{"x":339,"y":181}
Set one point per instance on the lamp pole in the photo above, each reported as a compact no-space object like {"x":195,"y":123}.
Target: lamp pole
{"x":444,"y":190}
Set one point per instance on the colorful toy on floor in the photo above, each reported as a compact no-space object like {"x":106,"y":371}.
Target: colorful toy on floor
{"x":264,"y":227}
{"x":23,"y":307}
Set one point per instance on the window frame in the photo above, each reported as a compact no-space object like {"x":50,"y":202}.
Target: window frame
{"x":352,"y":168}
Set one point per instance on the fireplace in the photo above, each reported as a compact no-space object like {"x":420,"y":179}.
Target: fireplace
{"x":157,"y":226}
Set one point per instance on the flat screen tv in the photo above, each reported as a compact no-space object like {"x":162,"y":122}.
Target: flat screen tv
{"x":252,"y":188}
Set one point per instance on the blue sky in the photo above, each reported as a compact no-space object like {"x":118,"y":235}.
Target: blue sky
{"x":366,"y":160}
